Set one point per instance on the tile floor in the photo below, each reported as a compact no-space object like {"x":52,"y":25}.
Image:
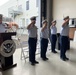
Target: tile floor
{"x":54,"y":66}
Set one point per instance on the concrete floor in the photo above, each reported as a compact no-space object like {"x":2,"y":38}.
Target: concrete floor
{"x":54,"y":66}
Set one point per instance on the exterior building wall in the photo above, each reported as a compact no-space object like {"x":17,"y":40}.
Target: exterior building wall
{"x":23,"y":19}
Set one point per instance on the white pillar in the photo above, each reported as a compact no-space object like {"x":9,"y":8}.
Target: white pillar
{"x":39,"y":19}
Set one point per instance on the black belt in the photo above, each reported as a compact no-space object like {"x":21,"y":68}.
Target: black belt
{"x":32,"y":38}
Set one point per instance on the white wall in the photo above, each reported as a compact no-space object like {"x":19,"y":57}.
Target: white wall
{"x":4,"y":7}
{"x":33,"y":10}
{"x":62,"y":8}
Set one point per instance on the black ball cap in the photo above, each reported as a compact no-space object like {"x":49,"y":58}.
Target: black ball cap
{"x":33,"y":18}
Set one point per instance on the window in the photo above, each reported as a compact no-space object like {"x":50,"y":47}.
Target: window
{"x":20,"y":7}
{"x":23,"y":22}
{"x":37,"y":3}
{"x":27,"y":22}
{"x":27,"y":5}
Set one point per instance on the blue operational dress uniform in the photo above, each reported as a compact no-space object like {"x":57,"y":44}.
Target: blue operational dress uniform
{"x":2,"y":28}
{"x":64,"y":38}
{"x":32,"y":41}
{"x":44,"y":43}
{"x":53,"y":38}
{"x":2,"y":25}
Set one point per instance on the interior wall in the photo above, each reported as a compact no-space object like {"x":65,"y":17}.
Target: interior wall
{"x":49,"y":11}
{"x":49,"y":14}
{"x":62,"y":8}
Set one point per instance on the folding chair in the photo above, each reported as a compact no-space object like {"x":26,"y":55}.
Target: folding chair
{"x":24,"y":50}
{"x":22,"y":43}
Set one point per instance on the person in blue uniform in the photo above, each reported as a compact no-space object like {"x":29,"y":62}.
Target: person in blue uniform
{"x":44,"y":40}
{"x":32,"y":41}
{"x":2,"y":25}
{"x":64,"y":37}
{"x":53,"y":36}
{"x":2,"y":29}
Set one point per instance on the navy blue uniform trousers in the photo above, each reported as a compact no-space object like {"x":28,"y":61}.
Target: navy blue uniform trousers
{"x":53,"y":42}
{"x":64,"y":41}
{"x":44,"y":45}
{"x":32,"y":42}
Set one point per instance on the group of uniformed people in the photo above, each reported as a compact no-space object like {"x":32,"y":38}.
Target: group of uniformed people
{"x":44,"y":35}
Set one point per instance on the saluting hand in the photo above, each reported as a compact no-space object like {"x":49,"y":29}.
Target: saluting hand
{"x":31,"y":24}
{"x":67,"y":20}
